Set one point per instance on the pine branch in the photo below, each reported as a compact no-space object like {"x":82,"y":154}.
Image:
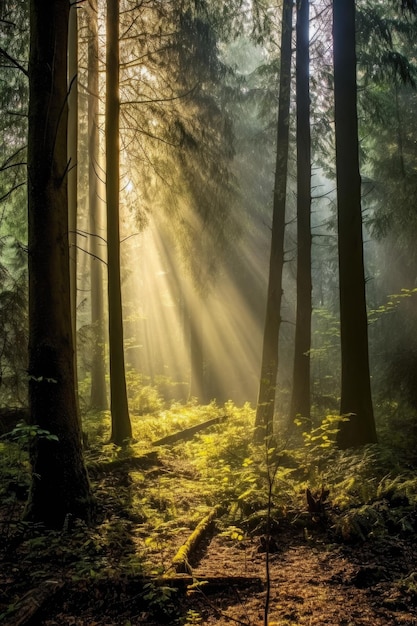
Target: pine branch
{"x":13,"y":61}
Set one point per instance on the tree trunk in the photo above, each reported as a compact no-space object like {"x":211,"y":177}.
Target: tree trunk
{"x":98,"y":396}
{"x":356,"y":398}
{"x":120,"y":421}
{"x":269,"y":364}
{"x":300,"y":401}
{"x":73,"y":174}
{"x":60,"y":484}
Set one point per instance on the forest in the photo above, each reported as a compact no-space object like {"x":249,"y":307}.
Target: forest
{"x":208,"y":312}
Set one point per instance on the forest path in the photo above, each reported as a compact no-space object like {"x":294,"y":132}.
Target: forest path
{"x":111,"y":575}
{"x":312,"y":582}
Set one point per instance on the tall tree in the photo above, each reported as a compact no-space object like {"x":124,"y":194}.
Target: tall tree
{"x":98,"y":397}
{"x":300,"y":401}
{"x":120,"y":420}
{"x":269,"y":365}
{"x":60,"y":483}
{"x":73,"y":170}
{"x":356,"y":400}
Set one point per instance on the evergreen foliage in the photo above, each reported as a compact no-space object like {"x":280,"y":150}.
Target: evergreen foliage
{"x":13,"y":236}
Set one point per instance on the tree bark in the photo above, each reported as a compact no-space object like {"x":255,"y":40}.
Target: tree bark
{"x":120,"y":420}
{"x":269,"y":365}
{"x":60,"y":485}
{"x":356,"y":398}
{"x":72,"y":149}
{"x":300,"y":401}
{"x":98,"y":395}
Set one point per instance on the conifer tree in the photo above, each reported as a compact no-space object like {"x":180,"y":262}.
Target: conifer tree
{"x":356,"y":400}
{"x":300,"y":400}
{"x":120,"y":420}
{"x":73,"y":172}
{"x":269,"y":365}
{"x":98,"y":396}
{"x":60,"y":485}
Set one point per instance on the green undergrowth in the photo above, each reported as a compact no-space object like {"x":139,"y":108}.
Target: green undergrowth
{"x":146,"y":429}
{"x":144,"y":514}
{"x":370,"y":493}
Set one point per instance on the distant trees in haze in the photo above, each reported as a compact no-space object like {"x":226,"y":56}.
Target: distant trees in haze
{"x":13,"y":222}
{"x":356,"y":402}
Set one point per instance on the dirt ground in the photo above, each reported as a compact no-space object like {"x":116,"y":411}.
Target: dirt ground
{"x":312,"y":582}
{"x":316,"y":577}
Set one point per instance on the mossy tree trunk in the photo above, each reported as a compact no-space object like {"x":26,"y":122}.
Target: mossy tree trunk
{"x":60,"y":483}
{"x":355,"y":389}
{"x":120,"y":420}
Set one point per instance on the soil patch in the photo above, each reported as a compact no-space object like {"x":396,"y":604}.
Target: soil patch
{"x":313,"y":582}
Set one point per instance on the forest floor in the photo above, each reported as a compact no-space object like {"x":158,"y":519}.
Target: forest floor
{"x":313,"y":581}
{"x":120,"y":571}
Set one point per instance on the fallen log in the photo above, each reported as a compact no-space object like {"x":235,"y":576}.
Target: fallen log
{"x":188,"y":433}
{"x":145,"y":461}
{"x":181,"y":561}
{"x":28,"y":607}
